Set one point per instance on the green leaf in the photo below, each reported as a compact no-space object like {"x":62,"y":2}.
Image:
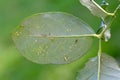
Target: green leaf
{"x":53,"y":38}
{"x":95,"y":8}
{"x":109,"y":69}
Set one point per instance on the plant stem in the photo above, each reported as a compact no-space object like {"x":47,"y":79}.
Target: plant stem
{"x":109,"y":22}
{"x":99,"y":59}
{"x":116,"y":10}
{"x":107,"y":26}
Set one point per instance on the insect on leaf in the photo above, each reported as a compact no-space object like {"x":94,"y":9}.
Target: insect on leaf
{"x":53,"y":38}
{"x":95,"y":8}
{"x":109,"y":69}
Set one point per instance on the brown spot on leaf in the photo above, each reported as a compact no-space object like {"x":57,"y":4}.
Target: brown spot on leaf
{"x":76,"y":41}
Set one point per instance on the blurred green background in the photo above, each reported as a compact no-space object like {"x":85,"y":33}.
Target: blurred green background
{"x":13,"y":66}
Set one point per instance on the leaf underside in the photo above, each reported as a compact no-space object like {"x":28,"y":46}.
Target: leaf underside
{"x":109,"y":69}
{"x":95,"y":8}
{"x":42,"y":38}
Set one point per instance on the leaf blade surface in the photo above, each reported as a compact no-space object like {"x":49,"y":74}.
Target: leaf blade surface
{"x":109,"y":69}
{"x":40,"y":38}
{"x":95,"y":9}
